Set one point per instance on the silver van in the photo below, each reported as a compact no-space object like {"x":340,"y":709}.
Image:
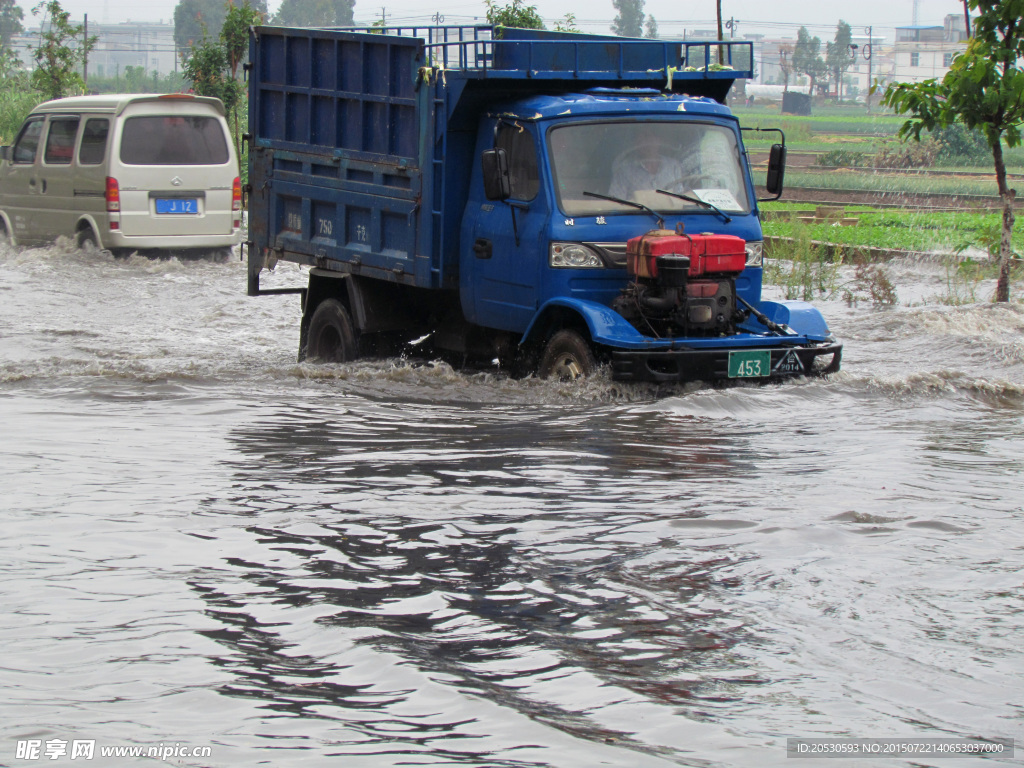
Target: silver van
{"x":123,"y":172}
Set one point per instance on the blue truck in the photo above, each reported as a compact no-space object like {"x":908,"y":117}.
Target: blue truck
{"x":548,"y":201}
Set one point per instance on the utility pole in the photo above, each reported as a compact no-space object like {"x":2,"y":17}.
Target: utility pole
{"x":721,"y":35}
{"x":85,"y":55}
{"x":868,"y":51}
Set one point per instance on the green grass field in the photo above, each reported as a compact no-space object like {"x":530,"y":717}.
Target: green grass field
{"x":922,"y":231}
{"x":895,"y":181}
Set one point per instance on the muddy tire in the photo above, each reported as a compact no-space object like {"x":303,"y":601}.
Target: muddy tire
{"x":85,"y":240}
{"x":220,"y":255}
{"x":567,"y":356}
{"x":330,"y":338}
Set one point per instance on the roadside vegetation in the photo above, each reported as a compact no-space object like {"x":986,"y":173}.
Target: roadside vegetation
{"x":982,"y":90}
{"x":138,"y":80}
{"x":828,"y":261}
{"x":809,"y":269}
{"x":890,"y":228}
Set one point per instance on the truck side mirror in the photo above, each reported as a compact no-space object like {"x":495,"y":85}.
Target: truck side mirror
{"x":497,"y":182}
{"x":776,"y":170}
{"x":5,"y":153}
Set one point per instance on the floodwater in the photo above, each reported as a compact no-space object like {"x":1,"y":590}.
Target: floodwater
{"x":393,"y":563}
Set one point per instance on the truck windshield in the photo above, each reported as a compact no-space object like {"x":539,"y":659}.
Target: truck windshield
{"x":631,"y":161}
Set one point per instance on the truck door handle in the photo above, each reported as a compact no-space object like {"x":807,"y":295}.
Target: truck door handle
{"x":483,"y":248}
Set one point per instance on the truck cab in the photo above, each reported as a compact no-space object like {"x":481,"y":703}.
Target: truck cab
{"x":568,"y":157}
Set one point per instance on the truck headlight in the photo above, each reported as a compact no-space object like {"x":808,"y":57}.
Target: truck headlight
{"x":755,"y":253}
{"x":574,"y":255}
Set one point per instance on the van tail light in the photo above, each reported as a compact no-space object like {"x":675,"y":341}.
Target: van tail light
{"x":236,"y":202}
{"x":113,"y":195}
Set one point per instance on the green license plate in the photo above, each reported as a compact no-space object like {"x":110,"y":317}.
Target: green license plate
{"x":749,"y":365}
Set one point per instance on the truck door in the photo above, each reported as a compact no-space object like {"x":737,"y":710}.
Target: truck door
{"x":506,"y":246}
{"x":21,"y":184}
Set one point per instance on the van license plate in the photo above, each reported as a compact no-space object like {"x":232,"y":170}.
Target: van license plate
{"x":177,"y":205}
{"x":749,"y":365}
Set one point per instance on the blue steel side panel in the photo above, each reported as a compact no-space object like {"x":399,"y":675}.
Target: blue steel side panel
{"x":340,"y":146}
{"x":347,"y":230}
{"x":341,"y":91}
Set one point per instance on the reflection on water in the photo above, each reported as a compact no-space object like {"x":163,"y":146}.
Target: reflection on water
{"x":394,"y":563}
{"x":497,"y":561}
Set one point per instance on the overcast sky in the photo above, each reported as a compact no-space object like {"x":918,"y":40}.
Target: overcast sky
{"x":772,"y":17}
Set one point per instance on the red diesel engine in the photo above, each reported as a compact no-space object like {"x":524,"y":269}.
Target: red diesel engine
{"x":684,"y":285}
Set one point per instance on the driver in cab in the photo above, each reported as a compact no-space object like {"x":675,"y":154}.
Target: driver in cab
{"x":649,"y":164}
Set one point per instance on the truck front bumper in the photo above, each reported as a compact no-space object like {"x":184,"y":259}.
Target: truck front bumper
{"x":713,"y":364}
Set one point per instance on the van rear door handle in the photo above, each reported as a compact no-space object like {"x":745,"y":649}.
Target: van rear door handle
{"x":483,"y":248}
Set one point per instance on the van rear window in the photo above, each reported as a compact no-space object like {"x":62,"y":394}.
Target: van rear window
{"x":173,"y":140}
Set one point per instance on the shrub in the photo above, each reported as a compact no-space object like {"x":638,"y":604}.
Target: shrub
{"x":841,"y":158}
{"x":907,"y":154}
{"x":802,"y":267}
{"x":958,"y":142}
{"x":871,"y":281}
{"x":17,"y":99}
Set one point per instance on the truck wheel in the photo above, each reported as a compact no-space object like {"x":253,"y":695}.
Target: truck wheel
{"x":331,"y":338}
{"x":566,"y":357}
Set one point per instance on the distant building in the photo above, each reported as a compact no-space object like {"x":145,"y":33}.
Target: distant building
{"x":926,"y":52}
{"x":149,"y":45}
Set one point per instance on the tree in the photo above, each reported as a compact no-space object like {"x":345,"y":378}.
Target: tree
{"x":839,"y":56}
{"x":629,"y":21}
{"x":234,"y":33}
{"x":212,"y":65}
{"x":11,"y":17}
{"x":785,"y":65}
{"x":135,"y":78}
{"x":982,"y":89}
{"x":651,"y":27}
{"x":315,"y":13}
{"x":806,"y":57}
{"x":196,"y":19}
{"x":516,"y":14}
{"x":567,"y":23}
{"x":59,"y":53}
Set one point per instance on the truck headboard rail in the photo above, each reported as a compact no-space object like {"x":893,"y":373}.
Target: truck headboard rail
{"x":520,"y":53}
